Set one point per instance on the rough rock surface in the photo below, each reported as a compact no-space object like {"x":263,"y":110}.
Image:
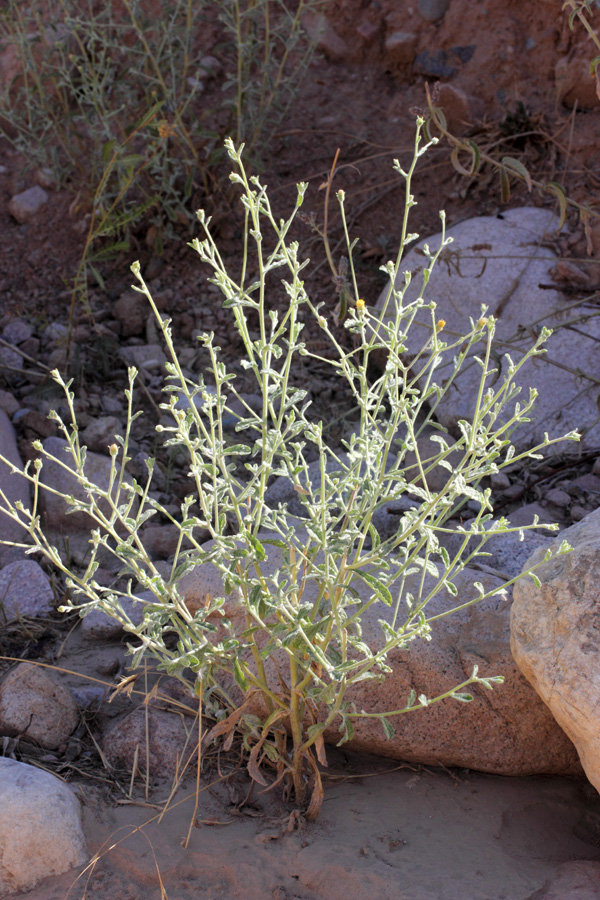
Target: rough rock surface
{"x":36,"y":707}
{"x":25,"y":590}
{"x":25,"y":206}
{"x":172,"y":742}
{"x":97,"y":470}
{"x":556,"y":638}
{"x":40,"y":827}
{"x":98,"y":625}
{"x":577,"y":880}
{"x":13,"y":486}
{"x":500,"y":262}
{"x":507,"y":731}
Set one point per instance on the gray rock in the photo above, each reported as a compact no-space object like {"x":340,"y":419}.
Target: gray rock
{"x":40,"y":827}
{"x":434,"y":63}
{"x":8,"y":403}
{"x":34,"y":706}
{"x":53,"y":474}
{"x":432,"y":10}
{"x":556,"y":638}
{"x":99,"y":626}
{"x":56,"y":331}
{"x":25,"y":590}
{"x":474,"y":269}
{"x":144,"y":356}
{"x":12,"y":486}
{"x":100,"y":433}
{"x":17,"y":331}
{"x":10,"y":359}
{"x":25,"y":206}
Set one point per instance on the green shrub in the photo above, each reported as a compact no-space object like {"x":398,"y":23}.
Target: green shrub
{"x":281,"y":645}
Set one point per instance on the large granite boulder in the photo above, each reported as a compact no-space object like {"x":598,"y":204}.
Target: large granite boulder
{"x":40,"y":827}
{"x":500,"y":262}
{"x":556,"y":638}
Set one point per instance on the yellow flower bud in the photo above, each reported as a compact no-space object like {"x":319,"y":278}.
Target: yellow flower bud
{"x":441,"y":324}
{"x":360,"y":304}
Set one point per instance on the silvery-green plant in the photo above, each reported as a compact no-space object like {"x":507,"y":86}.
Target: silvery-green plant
{"x":281,"y":645}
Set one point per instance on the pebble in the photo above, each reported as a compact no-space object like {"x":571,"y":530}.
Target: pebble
{"x":17,"y":331}
{"x":401,"y":48}
{"x":558,"y":498}
{"x":25,"y":206}
{"x":433,"y":63}
{"x":25,"y":590}
{"x":100,"y":433}
{"x":433,"y":10}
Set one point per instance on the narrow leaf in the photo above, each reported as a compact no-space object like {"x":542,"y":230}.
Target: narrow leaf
{"x":504,"y":186}
{"x":554,"y":188}
{"x":514,"y":165}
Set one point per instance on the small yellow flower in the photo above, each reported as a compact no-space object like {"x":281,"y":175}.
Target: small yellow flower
{"x":441,"y":324}
{"x":166,"y":129}
{"x":482,"y":323}
{"x":360,"y":304}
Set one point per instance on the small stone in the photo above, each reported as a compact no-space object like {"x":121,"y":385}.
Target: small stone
{"x":40,"y":827}
{"x":98,"y":625}
{"x":35,"y":707}
{"x":56,"y":332}
{"x":111,"y":404}
{"x":108,"y":665}
{"x":499,"y":481}
{"x":8,"y":403}
{"x":145,"y":356}
{"x":367,"y":31}
{"x":100,"y":433}
{"x":319,"y":29}
{"x":131,"y":310}
{"x":432,"y":10}
{"x":45,"y":178}
{"x":24,"y":206}
{"x":169,"y":748}
{"x":558,"y":498}
{"x":25,"y":590}
{"x":11,"y":360}
{"x":513,"y":492}
{"x":401,"y":48}
{"x":434,"y":64}
{"x":578,"y":513}
{"x":17,"y":331}
{"x":210,"y":66}
{"x":525,"y":515}
{"x":459,"y":108}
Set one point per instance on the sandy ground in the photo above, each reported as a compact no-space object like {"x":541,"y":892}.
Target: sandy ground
{"x":407,"y":834}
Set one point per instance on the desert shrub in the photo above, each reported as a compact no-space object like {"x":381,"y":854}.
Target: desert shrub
{"x":277,"y":650}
